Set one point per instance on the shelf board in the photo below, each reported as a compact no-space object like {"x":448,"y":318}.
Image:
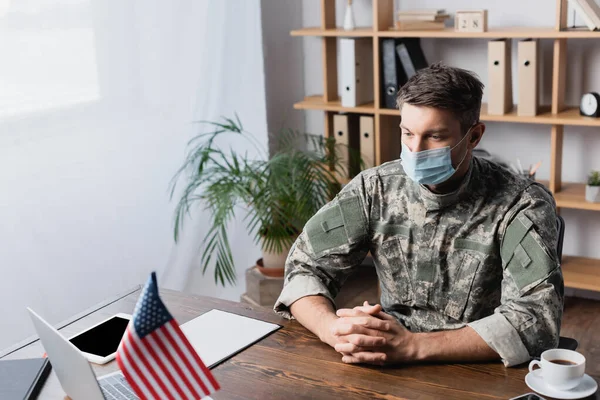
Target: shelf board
{"x":577,"y":33}
{"x":338,"y":32}
{"x":389,"y":111}
{"x":317,"y":103}
{"x":502,"y":32}
{"x":518,"y":32}
{"x":572,"y":195}
{"x":581,"y":273}
{"x":497,"y":33}
{"x":569,"y":116}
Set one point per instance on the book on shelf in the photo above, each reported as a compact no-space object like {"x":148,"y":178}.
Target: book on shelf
{"x":419,"y":25}
{"x":589,"y":12}
{"x":426,"y":11}
{"x":423,"y":17}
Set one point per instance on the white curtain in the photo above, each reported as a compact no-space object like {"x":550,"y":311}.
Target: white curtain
{"x":97,"y":103}
{"x":231,"y":80}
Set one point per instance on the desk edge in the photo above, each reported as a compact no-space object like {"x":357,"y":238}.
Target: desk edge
{"x":31,"y":339}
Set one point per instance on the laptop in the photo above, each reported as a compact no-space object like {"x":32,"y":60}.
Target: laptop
{"x":74,"y":371}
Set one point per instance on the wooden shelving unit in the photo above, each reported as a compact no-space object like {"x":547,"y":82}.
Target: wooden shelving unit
{"x":333,"y":32}
{"x":449,"y":33}
{"x":579,"y":272}
{"x":572,"y":195}
{"x":317,"y":103}
{"x":569,"y":116}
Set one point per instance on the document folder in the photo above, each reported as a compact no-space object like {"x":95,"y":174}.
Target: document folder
{"x":356,"y":71}
{"x":367,"y":141}
{"x":392,"y":73}
{"x":528,"y":97}
{"x":345,"y":128}
{"x":500,"y":77}
{"x":411,"y":56}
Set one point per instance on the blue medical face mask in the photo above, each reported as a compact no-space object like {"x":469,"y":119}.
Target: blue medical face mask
{"x":430,"y":167}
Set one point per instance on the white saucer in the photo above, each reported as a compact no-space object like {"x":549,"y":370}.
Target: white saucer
{"x":586,"y":387}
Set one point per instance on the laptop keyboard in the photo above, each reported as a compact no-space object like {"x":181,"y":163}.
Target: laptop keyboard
{"x":115,"y":387}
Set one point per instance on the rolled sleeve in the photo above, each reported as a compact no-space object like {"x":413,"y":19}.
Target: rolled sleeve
{"x":330,"y":248}
{"x":527,"y":322}
{"x":300,"y":286}
{"x":503,"y":338}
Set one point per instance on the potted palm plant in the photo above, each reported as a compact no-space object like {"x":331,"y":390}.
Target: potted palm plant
{"x":276,"y":195}
{"x":592,"y":189}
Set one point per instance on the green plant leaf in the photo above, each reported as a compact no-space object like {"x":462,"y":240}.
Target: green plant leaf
{"x":594,"y":178}
{"x":277,"y":195}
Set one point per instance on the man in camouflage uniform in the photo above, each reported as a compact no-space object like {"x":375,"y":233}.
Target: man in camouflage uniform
{"x":465,"y":250}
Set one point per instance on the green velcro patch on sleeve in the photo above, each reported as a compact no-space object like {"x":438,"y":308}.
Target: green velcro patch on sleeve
{"x":335,"y":221}
{"x":530,"y":262}
{"x":339,"y":224}
{"x":515,"y":233}
{"x":521,"y":257}
{"x":354,"y":220}
{"x":325,"y":230}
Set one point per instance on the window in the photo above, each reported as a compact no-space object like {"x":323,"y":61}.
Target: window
{"x":48,"y":57}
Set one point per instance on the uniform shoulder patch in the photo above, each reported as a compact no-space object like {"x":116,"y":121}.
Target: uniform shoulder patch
{"x":530,"y":262}
{"x":338,"y":224}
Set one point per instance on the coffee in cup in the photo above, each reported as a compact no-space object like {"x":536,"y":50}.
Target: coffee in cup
{"x":563,"y":362}
{"x":561,"y":369}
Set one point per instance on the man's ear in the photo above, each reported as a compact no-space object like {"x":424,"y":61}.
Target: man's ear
{"x":476,"y":134}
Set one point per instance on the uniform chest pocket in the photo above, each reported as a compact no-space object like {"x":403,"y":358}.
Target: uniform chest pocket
{"x":466,"y":262}
{"x":395,"y":279}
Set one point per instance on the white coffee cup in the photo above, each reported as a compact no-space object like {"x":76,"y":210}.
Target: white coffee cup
{"x":564,"y":375}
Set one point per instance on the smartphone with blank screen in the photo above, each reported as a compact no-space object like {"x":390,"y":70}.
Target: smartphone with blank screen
{"x":100,"y":342}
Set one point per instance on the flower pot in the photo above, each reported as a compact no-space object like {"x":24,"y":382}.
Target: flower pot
{"x":272,"y":259}
{"x":273,"y":272}
{"x":592,"y":193}
{"x":273,"y":263}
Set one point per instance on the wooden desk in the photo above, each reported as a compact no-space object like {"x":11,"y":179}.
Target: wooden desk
{"x":293,"y":364}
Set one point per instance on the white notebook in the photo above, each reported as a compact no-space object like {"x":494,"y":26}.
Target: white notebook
{"x":217,"y":335}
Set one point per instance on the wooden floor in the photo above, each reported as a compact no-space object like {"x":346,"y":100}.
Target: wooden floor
{"x":581,"y":318}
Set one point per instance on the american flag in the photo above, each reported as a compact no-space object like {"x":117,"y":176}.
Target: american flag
{"x":155,"y":356}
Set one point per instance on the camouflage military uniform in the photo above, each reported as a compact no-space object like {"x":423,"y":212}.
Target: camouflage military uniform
{"x":483,"y":256}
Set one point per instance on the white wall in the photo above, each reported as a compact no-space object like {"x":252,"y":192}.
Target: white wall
{"x":284,"y":64}
{"x":107,"y":92}
{"x":278,"y":88}
{"x":527,"y":142}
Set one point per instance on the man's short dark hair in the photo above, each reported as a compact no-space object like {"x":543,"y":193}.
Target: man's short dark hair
{"x":449,"y":88}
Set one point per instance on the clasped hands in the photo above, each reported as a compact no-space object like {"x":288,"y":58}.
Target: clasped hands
{"x":365,"y":334}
